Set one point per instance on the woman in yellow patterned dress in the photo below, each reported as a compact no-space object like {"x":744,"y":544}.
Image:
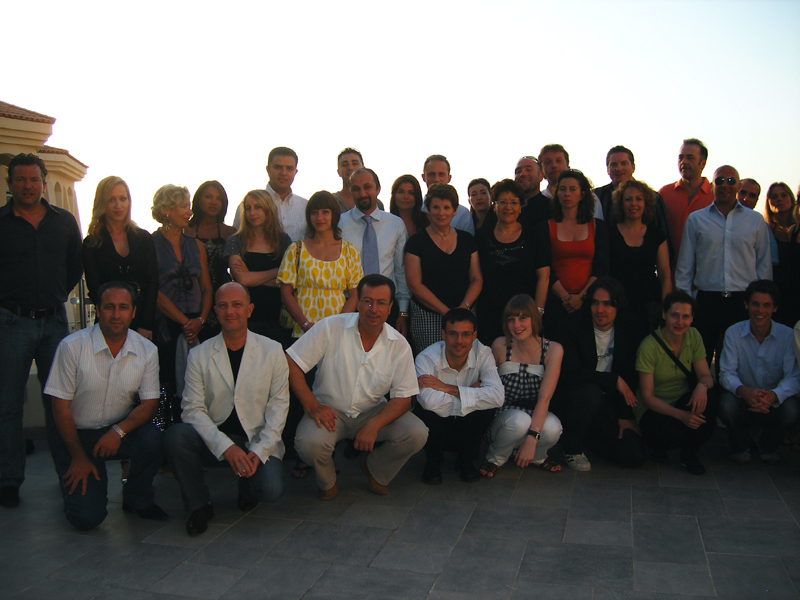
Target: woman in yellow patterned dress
{"x":313,"y":287}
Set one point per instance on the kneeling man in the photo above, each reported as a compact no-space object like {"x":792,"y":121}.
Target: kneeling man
{"x":760,"y":376}
{"x":360,"y":359}
{"x":96,"y":374}
{"x":459,"y":390}
{"x":233,"y":410}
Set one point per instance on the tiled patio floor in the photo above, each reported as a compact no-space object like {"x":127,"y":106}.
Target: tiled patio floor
{"x":651,"y":533}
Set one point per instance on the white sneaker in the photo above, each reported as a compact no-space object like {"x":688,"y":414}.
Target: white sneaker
{"x":742,"y":457}
{"x":578,"y":462}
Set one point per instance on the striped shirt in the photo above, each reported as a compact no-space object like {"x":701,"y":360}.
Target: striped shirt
{"x":102,"y":387}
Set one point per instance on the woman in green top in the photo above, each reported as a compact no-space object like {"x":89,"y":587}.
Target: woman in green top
{"x":676,"y":410}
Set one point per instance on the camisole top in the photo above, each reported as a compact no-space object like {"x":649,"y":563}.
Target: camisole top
{"x":522,"y":381}
{"x":572,"y":261}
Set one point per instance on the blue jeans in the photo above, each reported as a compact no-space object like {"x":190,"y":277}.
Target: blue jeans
{"x":23,"y":340}
{"x":774,"y":425}
{"x":142,"y":446}
{"x":187,"y":454}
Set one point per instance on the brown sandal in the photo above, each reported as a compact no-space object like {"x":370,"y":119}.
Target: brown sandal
{"x":488,"y":469}
{"x":548,"y":465}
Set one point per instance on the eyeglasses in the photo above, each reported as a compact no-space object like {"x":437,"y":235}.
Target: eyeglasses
{"x":369,"y":303}
{"x":728,"y":180}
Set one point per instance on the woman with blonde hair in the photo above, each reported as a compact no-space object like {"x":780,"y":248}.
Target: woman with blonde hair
{"x":117,"y":250}
{"x":184,"y":286}
{"x":529,"y":366}
{"x":782,"y":219}
{"x":254,"y":256}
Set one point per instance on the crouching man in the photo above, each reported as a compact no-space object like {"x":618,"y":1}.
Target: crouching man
{"x":459,"y":392}
{"x":233,"y":411}
{"x":93,"y":381}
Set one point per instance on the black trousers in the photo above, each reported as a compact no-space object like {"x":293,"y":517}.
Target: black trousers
{"x":460,"y":434}
{"x":662,"y":432}
{"x":715,"y":314}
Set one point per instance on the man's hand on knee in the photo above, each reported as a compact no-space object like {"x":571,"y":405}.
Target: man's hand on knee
{"x":323,"y":415}
{"x":365,"y":438}
{"x":78,"y":473}
{"x":239,"y":461}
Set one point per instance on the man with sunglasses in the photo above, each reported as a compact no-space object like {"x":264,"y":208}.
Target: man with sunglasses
{"x":724,"y":247}
{"x":359,"y":360}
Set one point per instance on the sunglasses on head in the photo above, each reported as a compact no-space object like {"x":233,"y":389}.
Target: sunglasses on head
{"x":728,"y":180}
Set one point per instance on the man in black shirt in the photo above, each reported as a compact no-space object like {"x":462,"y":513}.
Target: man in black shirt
{"x":40,"y":263}
{"x":536,"y":206}
{"x":229,"y":419}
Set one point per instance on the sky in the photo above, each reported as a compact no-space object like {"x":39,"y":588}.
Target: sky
{"x":184,"y":92}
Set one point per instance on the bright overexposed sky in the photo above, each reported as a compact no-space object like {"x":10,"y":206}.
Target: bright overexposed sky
{"x":182,"y":92}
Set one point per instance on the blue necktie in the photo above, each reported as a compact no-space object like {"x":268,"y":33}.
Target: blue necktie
{"x":369,"y":248}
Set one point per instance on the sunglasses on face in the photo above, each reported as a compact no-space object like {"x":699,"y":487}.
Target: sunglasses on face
{"x":728,"y":180}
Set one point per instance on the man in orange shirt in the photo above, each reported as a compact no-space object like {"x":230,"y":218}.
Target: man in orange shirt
{"x":690,"y":193}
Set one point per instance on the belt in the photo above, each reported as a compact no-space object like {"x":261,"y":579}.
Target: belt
{"x":722,"y":294}
{"x":30,"y":313}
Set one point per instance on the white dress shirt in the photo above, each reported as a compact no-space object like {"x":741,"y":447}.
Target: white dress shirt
{"x":721,"y":254}
{"x":392,"y":235}
{"x":291,"y":212}
{"x":480,"y":366}
{"x":101,"y":387}
{"x":260,"y":394}
{"x":349,"y":379}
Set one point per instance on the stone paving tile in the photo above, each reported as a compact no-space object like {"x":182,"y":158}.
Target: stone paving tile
{"x":540,"y":489}
{"x":490,"y":491}
{"x":768,"y":510}
{"x":517,"y":523}
{"x":359,"y":583}
{"x":689,"y":580}
{"x":601,"y":566}
{"x":417,"y":558}
{"x":738,"y":577}
{"x":276,"y":578}
{"x":667,"y":538}
{"x":604,"y":594}
{"x":338,"y":544}
{"x":601,"y":533}
{"x":750,"y":536}
{"x":677,"y":501}
{"x":374,"y":515}
{"x":122,"y":594}
{"x":546,"y":591}
{"x":600,"y":502}
{"x":482,"y":565}
{"x":198,"y":581}
{"x":438,"y":523}
{"x":746,"y":484}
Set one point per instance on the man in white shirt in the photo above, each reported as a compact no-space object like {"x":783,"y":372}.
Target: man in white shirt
{"x":282,"y":169}
{"x":348,"y":161}
{"x":459,"y":390}
{"x":437,"y":170}
{"x":359,"y":360}
{"x":382,"y":248}
{"x":234,"y":408}
{"x":96,"y":374}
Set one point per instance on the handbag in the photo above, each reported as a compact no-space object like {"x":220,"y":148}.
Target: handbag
{"x":285,"y":318}
{"x":690,"y":375}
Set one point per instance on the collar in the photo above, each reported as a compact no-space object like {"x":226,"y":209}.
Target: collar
{"x":99,"y":343}
{"x":276,"y":197}
{"x":356,"y":214}
{"x":705,"y":185}
{"x":736,"y":207}
{"x":472,"y":357}
{"x":388,"y":332}
{"x":746,"y":331}
{"x":9,"y":210}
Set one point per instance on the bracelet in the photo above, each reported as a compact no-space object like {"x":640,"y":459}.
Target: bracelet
{"x":201,"y":320}
{"x":703,"y":383}
{"x":566,"y":298}
{"x":541,"y":311}
{"x":465,"y":303}
{"x":304,"y":325}
{"x":119,"y":431}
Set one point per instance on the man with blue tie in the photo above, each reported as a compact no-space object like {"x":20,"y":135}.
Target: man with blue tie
{"x":380,"y":238}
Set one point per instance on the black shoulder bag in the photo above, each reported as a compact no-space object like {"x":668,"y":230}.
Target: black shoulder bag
{"x":689,"y":374}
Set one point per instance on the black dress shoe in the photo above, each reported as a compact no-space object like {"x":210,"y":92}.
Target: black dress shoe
{"x":245,"y":504}
{"x":9,"y":496}
{"x":432,"y":475}
{"x":350,"y":451}
{"x":152,"y":512}
{"x":467,"y":471}
{"x":692,"y":464}
{"x":198,"y":520}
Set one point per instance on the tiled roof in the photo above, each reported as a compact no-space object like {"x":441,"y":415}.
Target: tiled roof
{"x":54,"y":150}
{"x":23,"y":114}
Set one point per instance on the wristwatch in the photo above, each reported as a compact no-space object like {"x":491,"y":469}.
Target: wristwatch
{"x":534,"y":434}
{"x":119,"y":431}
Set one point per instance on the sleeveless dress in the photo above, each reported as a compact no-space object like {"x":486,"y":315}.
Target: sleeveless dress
{"x":218,"y":273}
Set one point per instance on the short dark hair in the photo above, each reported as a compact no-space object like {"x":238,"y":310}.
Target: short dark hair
{"x":375,"y":280}
{"x":763,"y":286}
{"x":349,"y":151}
{"x":366,"y":170}
{"x":479,"y":181}
{"x":753,"y":181}
{"x":440,"y":157}
{"x":282,"y":151}
{"x":616,"y":149}
{"x":320,"y":201}
{"x":115,"y":285}
{"x":554,"y":148}
{"x":443,"y":191}
{"x":508,"y":185}
{"x":696,"y":142}
{"x":586,"y":204}
{"x":678,"y":297}
{"x":614,"y":289}
{"x":26,"y":160}
{"x":458,"y":315}
{"x":223,"y":196}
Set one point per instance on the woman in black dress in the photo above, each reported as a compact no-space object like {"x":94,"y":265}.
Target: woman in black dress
{"x":254,"y":255}
{"x":639,"y":258}
{"x":442,"y":268}
{"x":209,"y":206}
{"x":479,"y":193}
{"x":117,"y":250}
{"x":510,"y":262}
{"x":782,"y":221}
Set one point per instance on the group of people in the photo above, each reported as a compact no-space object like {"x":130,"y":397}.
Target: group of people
{"x":533,"y":318}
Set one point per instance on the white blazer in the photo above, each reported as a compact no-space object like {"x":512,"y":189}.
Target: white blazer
{"x":261,"y":394}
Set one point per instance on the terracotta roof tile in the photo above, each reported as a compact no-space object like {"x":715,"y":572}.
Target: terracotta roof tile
{"x":54,"y":150}
{"x":23,"y":114}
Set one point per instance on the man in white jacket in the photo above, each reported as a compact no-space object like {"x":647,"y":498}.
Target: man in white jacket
{"x":228,"y":418}
{"x":459,"y":390}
